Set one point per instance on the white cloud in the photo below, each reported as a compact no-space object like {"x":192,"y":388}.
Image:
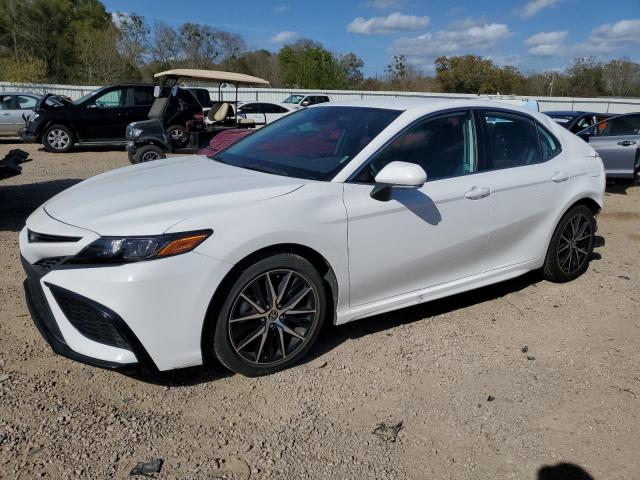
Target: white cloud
{"x":545,"y":44}
{"x":547,"y":38}
{"x":606,"y":38}
{"x":283,"y":37}
{"x":385,"y":4}
{"x":452,"y":41}
{"x":532,"y":7}
{"x":281,"y":8}
{"x":624,"y":31}
{"x":394,"y":22}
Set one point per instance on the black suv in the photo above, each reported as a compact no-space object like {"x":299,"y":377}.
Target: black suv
{"x":98,"y":118}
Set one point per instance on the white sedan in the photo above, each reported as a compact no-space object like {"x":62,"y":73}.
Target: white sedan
{"x":335,"y":213}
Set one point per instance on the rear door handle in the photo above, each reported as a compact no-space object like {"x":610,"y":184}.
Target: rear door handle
{"x":476,"y":193}
{"x":560,"y":177}
{"x":627,"y":143}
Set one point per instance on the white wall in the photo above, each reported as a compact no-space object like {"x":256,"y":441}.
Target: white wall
{"x":603,"y":105}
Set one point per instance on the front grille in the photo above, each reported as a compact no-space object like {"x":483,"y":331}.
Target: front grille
{"x":35,"y":237}
{"x":91,"y":319}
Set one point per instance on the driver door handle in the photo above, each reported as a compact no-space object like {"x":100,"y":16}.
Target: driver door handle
{"x":627,"y":143}
{"x":476,"y":193}
{"x":560,"y":177}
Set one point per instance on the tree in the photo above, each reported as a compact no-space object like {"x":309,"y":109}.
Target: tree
{"x":164,"y":45}
{"x":351,"y":66}
{"x":133,"y":38}
{"x":24,"y":69}
{"x":586,"y":78}
{"x":473,"y":74}
{"x":306,"y":64}
{"x":622,"y":78}
{"x":199,"y":45}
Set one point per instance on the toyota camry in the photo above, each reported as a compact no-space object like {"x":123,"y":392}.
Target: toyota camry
{"x":335,"y":213}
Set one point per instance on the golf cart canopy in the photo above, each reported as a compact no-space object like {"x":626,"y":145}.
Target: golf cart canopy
{"x":213,"y":75}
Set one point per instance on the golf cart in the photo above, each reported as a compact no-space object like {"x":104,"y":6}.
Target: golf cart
{"x":152,"y":139}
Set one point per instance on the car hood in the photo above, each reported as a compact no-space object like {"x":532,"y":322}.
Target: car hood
{"x":149,"y":198}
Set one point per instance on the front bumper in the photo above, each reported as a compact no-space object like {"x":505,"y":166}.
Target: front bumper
{"x":48,"y":327}
{"x":140,"y":316}
{"x":28,"y":136}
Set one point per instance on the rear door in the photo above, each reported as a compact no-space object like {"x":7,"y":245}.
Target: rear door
{"x":253,"y":111}
{"x":7,"y":114}
{"x":526,"y":183}
{"x":272,"y":112}
{"x":139,"y":100}
{"x":617,"y":140}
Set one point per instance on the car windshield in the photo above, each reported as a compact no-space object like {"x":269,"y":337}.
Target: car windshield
{"x":86,"y":97}
{"x":314,"y":143}
{"x":293,"y":99}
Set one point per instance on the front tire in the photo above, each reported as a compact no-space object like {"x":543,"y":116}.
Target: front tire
{"x":148,"y":153}
{"x":571,"y":246}
{"x":58,"y":139}
{"x":271,"y":316}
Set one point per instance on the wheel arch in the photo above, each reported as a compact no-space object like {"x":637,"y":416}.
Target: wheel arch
{"x":316,"y":259}
{"x":62,"y":123}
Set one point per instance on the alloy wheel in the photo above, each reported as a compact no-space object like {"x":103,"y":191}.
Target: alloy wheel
{"x":58,"y":139}
{"x":574,"y":245}
{"x":150,"y":156}
{"x":273,"y":316}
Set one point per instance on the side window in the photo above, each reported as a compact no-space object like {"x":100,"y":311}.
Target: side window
{"x":510,"y":140}
{"x":26,"y":103}
{"x":271,"y":108}
{"x":143,"y":97}
{"x":623,"y":125}
{"x":584,"y":122}
{"x":443,"y":146}
{"x":549,"y":144}
{"x":114,"y":98}
{"x":6,"y":102}
{"x":322,"y":99}
{"x":250,"y":108}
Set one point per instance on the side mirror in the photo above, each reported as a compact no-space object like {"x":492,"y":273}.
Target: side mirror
{"x":397,"y":175}
{"x":156,"y":91}
{"x":305,"y":103}
{"x":94,"y":105}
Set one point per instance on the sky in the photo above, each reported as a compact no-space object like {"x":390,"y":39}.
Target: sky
{"x":533,"y":35}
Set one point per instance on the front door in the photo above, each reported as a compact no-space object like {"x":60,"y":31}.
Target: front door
{"x":617,"y":140}
{"x":425,"y":237}
{"x":105,"y":117}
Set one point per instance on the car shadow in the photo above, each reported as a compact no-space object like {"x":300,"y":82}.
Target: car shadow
{"x":17,"y":202}
{"x":336,"y":335}
{"x":563,"y":471}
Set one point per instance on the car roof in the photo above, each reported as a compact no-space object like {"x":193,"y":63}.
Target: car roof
{"x":423,"y":105}
{"x":573,"y":113}
{"x":32,"y":94}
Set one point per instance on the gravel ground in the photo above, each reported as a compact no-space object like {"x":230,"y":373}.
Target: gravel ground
{"x":510,"y":381}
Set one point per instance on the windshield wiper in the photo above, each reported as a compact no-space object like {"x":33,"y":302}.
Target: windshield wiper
{"x":263,"y":169}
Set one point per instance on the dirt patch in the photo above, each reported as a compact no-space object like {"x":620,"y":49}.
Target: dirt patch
{"x":567,"y":403}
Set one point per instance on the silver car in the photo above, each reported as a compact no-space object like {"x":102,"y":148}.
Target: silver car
{"x":13,"y":105}
{"x":617,"y":140}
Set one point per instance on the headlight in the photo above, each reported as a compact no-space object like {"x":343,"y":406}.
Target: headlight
{"x":133,"y":132}
{"x":118,"y":250}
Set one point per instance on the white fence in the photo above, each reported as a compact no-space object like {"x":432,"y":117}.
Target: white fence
{"x":601,"y":105}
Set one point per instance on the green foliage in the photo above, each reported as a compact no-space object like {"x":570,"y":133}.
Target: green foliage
{"x":473,"y":74}
{"x":306,"y":64}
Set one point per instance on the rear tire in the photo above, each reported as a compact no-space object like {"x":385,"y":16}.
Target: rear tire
{"x":58,"y":139}
{"x":177,"y":135}
{"x":571,"y":246}
{"x":149,"y":153}
{"x":271,"y":316}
